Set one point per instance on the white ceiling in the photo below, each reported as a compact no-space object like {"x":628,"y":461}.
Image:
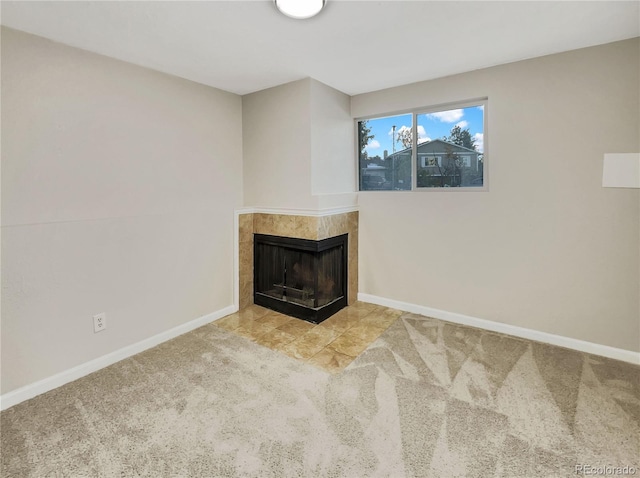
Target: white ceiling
{"x":354,"y":46}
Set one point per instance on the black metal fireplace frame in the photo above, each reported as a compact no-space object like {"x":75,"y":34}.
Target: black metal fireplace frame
{"x":313,"y":315}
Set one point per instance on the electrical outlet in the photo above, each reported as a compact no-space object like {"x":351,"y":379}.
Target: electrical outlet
{"x":99,"y":322}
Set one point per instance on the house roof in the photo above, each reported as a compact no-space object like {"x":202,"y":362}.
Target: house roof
{"x":443,"y":142}
{"x":447,"y":143}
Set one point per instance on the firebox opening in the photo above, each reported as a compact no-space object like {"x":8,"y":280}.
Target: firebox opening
{"x":300,"y":277}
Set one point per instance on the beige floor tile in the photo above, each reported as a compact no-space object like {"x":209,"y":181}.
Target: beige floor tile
{"x":296,"y":327}
{"x":275,"y":338}
{"x":363,"y":306}
{"x":309,"y":344}
{"x":338,"y":322}
{"x":253,"y":312}
{"x":392,"y":312}
{"x":253,"y":330}
{"x":300,"y":351}
{"x":274,"y":319}
{"x":355,"y":340}
{"x":351,"y":316}
{"x":232,"y":322}
{"x":353,"y":313}
{"x":366,"y":331}
{"x":330,"y":345}
{"x":319,"y":336}
{"x":330,"y":360}
{"x":382,"y":318}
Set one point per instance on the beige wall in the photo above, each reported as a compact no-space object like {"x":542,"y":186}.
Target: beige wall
{"x":276,"y":139}
{"x":118,"y":191}
{"x":546,"y":247}
{"x":298,"y":147}
{"x":332,"y":141}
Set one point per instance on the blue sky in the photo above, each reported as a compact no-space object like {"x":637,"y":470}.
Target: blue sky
{"x":430,"y":126}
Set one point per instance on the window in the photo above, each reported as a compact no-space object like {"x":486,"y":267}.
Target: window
{"x":385,"y":153}
{"x":424,"y":149}
{"x":427,"y":161}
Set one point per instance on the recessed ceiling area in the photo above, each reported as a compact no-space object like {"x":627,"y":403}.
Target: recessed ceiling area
{"x":353,"y":46}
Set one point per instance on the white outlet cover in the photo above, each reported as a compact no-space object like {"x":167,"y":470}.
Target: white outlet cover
{"x":99,"y":322}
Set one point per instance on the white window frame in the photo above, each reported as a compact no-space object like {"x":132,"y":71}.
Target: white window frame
{"x":415,"y":112}
{"x":428,"y":157}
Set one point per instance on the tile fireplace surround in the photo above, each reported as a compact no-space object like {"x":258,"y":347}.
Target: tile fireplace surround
{"x":299,"y":227}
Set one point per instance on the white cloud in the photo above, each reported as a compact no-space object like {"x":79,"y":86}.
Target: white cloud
{"x":479,"y":137}
{"x":422,"y":133}
{"x":450,"y":116}
{"x":481,"y":107}
{"x":373,"y":144}
{"x":463,"y":124}
{"x":398,"y":130}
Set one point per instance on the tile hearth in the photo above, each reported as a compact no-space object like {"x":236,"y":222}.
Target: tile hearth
{"x":331,"y":345}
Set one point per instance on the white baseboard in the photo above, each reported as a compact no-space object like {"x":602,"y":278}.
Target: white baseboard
{"x":567,"y":342}
{"x":32,"y":390}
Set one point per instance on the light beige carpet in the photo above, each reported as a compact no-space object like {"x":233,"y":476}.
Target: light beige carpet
{"x":426,"y":399}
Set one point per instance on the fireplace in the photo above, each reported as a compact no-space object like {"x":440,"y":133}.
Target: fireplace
{"x":301,"y":277}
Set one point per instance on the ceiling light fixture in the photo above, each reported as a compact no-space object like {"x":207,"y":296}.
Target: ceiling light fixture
{"x":300,"y":9}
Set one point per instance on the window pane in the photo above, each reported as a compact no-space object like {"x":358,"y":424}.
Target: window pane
{"x":451,"y":148}
{"x":385,"y":153}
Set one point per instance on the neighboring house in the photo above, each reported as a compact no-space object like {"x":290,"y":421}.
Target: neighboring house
{"x":438,"y":150}
{"x":441,"y":164}
{"x":373,"y":176}
{"x":459,"y":165}
{"x":392,"y":172}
